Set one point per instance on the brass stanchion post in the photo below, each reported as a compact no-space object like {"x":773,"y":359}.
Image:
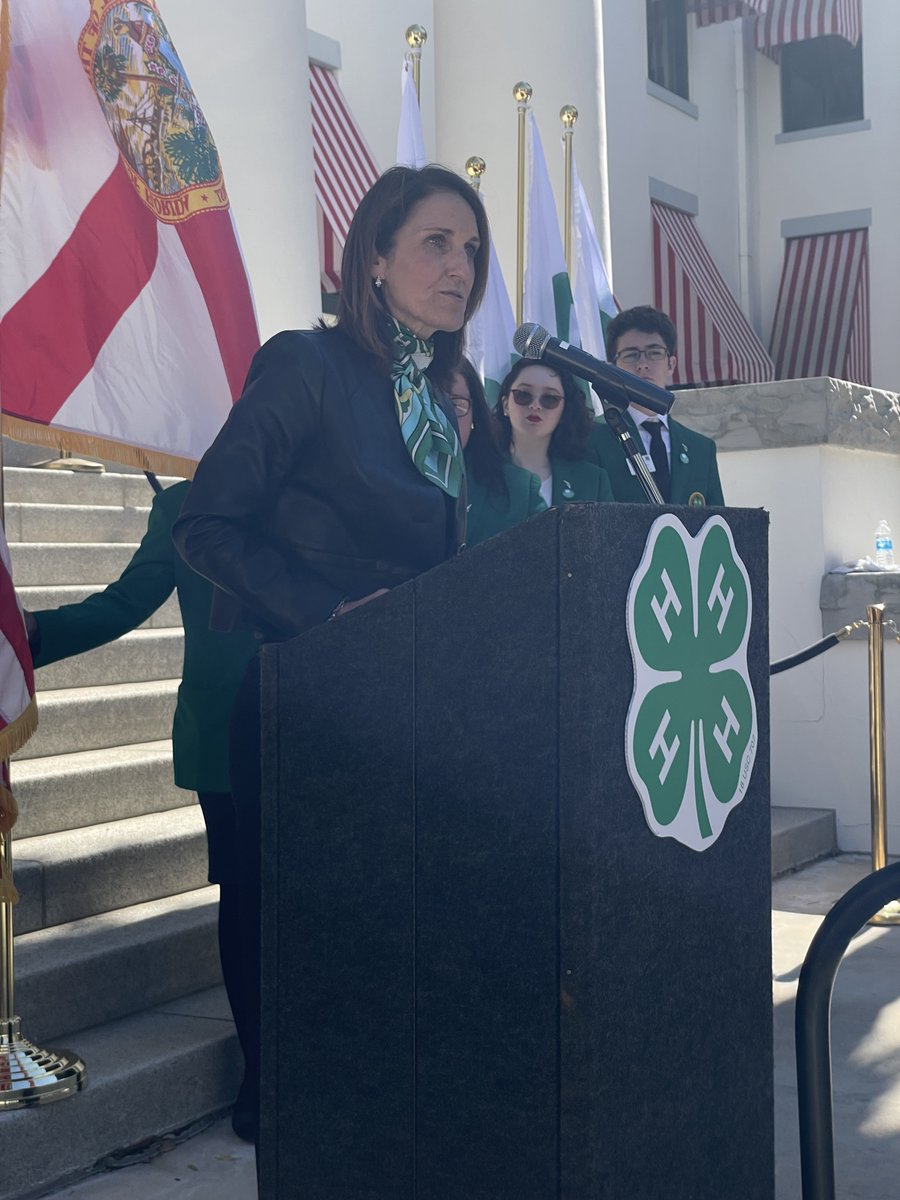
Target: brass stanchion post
{"x":416,"y":37}
{"x":522,"y":95}
{"x":28,"y":1075}
{"x":568,"y":114}
{"x":890,"y":914}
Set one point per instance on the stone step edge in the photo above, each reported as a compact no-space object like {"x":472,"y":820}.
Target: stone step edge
{"x":148,"y":1074}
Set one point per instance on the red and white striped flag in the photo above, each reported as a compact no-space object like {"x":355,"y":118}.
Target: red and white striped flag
{"x":126,"y":318}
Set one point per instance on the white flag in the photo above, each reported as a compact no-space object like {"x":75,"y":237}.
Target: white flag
{"x":548,"y":292}
{"x":594,"y":302}
{"x":489,"y":334}
{"x":410,"y":140}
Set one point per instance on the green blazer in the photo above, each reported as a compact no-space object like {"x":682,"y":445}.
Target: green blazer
{"x":699,"y":474}
{"x":584,"y":479}
{"x":490,"y":514}
{"x":214,"y":663}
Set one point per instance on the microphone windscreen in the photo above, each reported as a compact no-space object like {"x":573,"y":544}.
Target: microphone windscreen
{"x":530,"y":340}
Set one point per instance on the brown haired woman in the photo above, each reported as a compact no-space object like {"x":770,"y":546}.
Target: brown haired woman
{"x":339,"y":471}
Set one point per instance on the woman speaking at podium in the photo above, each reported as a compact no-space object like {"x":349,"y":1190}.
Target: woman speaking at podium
{"x":339,"y":472}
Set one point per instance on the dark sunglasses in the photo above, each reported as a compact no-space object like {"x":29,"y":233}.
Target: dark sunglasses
{"x":545,"y":399}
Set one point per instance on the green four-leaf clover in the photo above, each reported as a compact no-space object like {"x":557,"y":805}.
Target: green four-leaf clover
{"x":691,"y":731}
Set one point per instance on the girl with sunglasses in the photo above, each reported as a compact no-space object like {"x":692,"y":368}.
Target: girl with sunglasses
{"x":543,"y":423}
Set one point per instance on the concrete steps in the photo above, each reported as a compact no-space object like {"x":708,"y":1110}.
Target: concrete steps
{"x":98,"y":968}
{"x":93,"y":718}
{"x":115,"y":947}
{"x":71,"y":791}
{"x":153,"y":1071}
{"x":801,"y":836}
{"x":140,"y":657}
{"x":82,"y":872}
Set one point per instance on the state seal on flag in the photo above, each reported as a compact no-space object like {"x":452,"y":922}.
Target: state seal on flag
{"x":151,"y":110}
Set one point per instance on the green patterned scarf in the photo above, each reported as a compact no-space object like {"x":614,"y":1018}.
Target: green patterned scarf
{"x":430,"y":437}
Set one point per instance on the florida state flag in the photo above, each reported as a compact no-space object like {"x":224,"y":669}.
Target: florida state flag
{"x":126,"y":319}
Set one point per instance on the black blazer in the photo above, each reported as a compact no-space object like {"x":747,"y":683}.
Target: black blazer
{"x":308,"y":495}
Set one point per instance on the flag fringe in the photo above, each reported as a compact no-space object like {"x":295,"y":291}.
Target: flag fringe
{"x":14,"y":736}
{"x":100,"y":447}
{"x":8,"y":893}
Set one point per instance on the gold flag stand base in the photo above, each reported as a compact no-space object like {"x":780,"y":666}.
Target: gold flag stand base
{"x":30,"y":1076}
{"x":889,"y":915}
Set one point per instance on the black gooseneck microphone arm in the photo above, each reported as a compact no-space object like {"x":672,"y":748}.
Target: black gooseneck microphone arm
{"x":615,"y":388}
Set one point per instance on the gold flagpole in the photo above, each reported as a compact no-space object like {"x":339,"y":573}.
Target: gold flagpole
{"x":522,"y":95}
{"x":475,"y":168}
{"x":890,"y":914}
{"x":416,"y":37}
{"x":568,"y":114}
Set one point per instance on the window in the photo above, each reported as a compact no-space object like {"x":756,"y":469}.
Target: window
{"x":667,"y":63}
{"x":821,"y":83}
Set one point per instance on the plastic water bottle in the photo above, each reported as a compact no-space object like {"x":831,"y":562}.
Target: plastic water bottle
{"x":884,"y":545}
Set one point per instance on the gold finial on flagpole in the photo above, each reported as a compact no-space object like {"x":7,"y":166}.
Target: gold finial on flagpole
{"x":475,"y":168}
{"x":522,"y":93}
{"x":568,"y":114}
{"x":416,"y":37}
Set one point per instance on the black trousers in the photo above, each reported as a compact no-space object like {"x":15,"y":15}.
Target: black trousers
{"x":244,"y":766}
{"x":224,"y":860}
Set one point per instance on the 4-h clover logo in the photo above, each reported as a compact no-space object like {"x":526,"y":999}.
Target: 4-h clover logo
{"x":691,"y":735}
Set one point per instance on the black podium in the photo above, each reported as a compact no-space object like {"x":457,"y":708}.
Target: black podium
{"x":485,"y":976}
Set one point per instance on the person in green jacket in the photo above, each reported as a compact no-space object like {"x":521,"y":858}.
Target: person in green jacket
{"x":500,"y":494}
{"x":542,"y":423}
{"x":683,"y":463}
{"x":214,"y":665}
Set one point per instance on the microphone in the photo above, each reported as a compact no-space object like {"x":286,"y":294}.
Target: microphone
{"x":615,"y":386}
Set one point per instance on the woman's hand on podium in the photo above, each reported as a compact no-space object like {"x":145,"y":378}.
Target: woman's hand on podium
{"x":346,"y":605}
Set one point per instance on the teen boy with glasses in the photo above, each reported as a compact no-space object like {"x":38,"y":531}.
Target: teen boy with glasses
{"x":683,"y":463}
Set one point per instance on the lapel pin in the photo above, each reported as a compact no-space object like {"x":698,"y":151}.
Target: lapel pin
{"x":684,"y":454}
{"x":567,"y":492}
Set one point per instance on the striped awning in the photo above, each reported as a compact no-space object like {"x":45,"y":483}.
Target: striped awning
{"x":716,"y":343}
{"x":711,"y":12}
{"x":799,"y":20}
{"x":344,"y":166}
{"x":821,"y":324}
{"x":330,"y":254}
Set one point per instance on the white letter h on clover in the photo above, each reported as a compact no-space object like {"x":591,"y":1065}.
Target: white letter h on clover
{"x":658,"y":745}
{"x":670,"y":600}
{"x":725,"y":601}
{"x":732,"y":725}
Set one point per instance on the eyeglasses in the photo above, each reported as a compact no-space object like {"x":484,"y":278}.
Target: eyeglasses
{"x":651,"y":353}
{"x":525,"y":399}
{"x":462,"y":404}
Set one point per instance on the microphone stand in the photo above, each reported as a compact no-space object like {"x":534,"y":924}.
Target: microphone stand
{"x":615,"y":419}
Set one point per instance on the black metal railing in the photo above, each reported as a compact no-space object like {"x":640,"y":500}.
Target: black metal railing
{"x":813,"y":1024}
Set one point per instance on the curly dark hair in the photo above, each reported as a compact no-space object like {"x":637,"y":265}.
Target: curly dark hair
{"x":645,"y":319}
{"x":570,"y":437}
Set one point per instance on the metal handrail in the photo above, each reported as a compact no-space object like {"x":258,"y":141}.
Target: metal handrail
{"x":813,"y":1025}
